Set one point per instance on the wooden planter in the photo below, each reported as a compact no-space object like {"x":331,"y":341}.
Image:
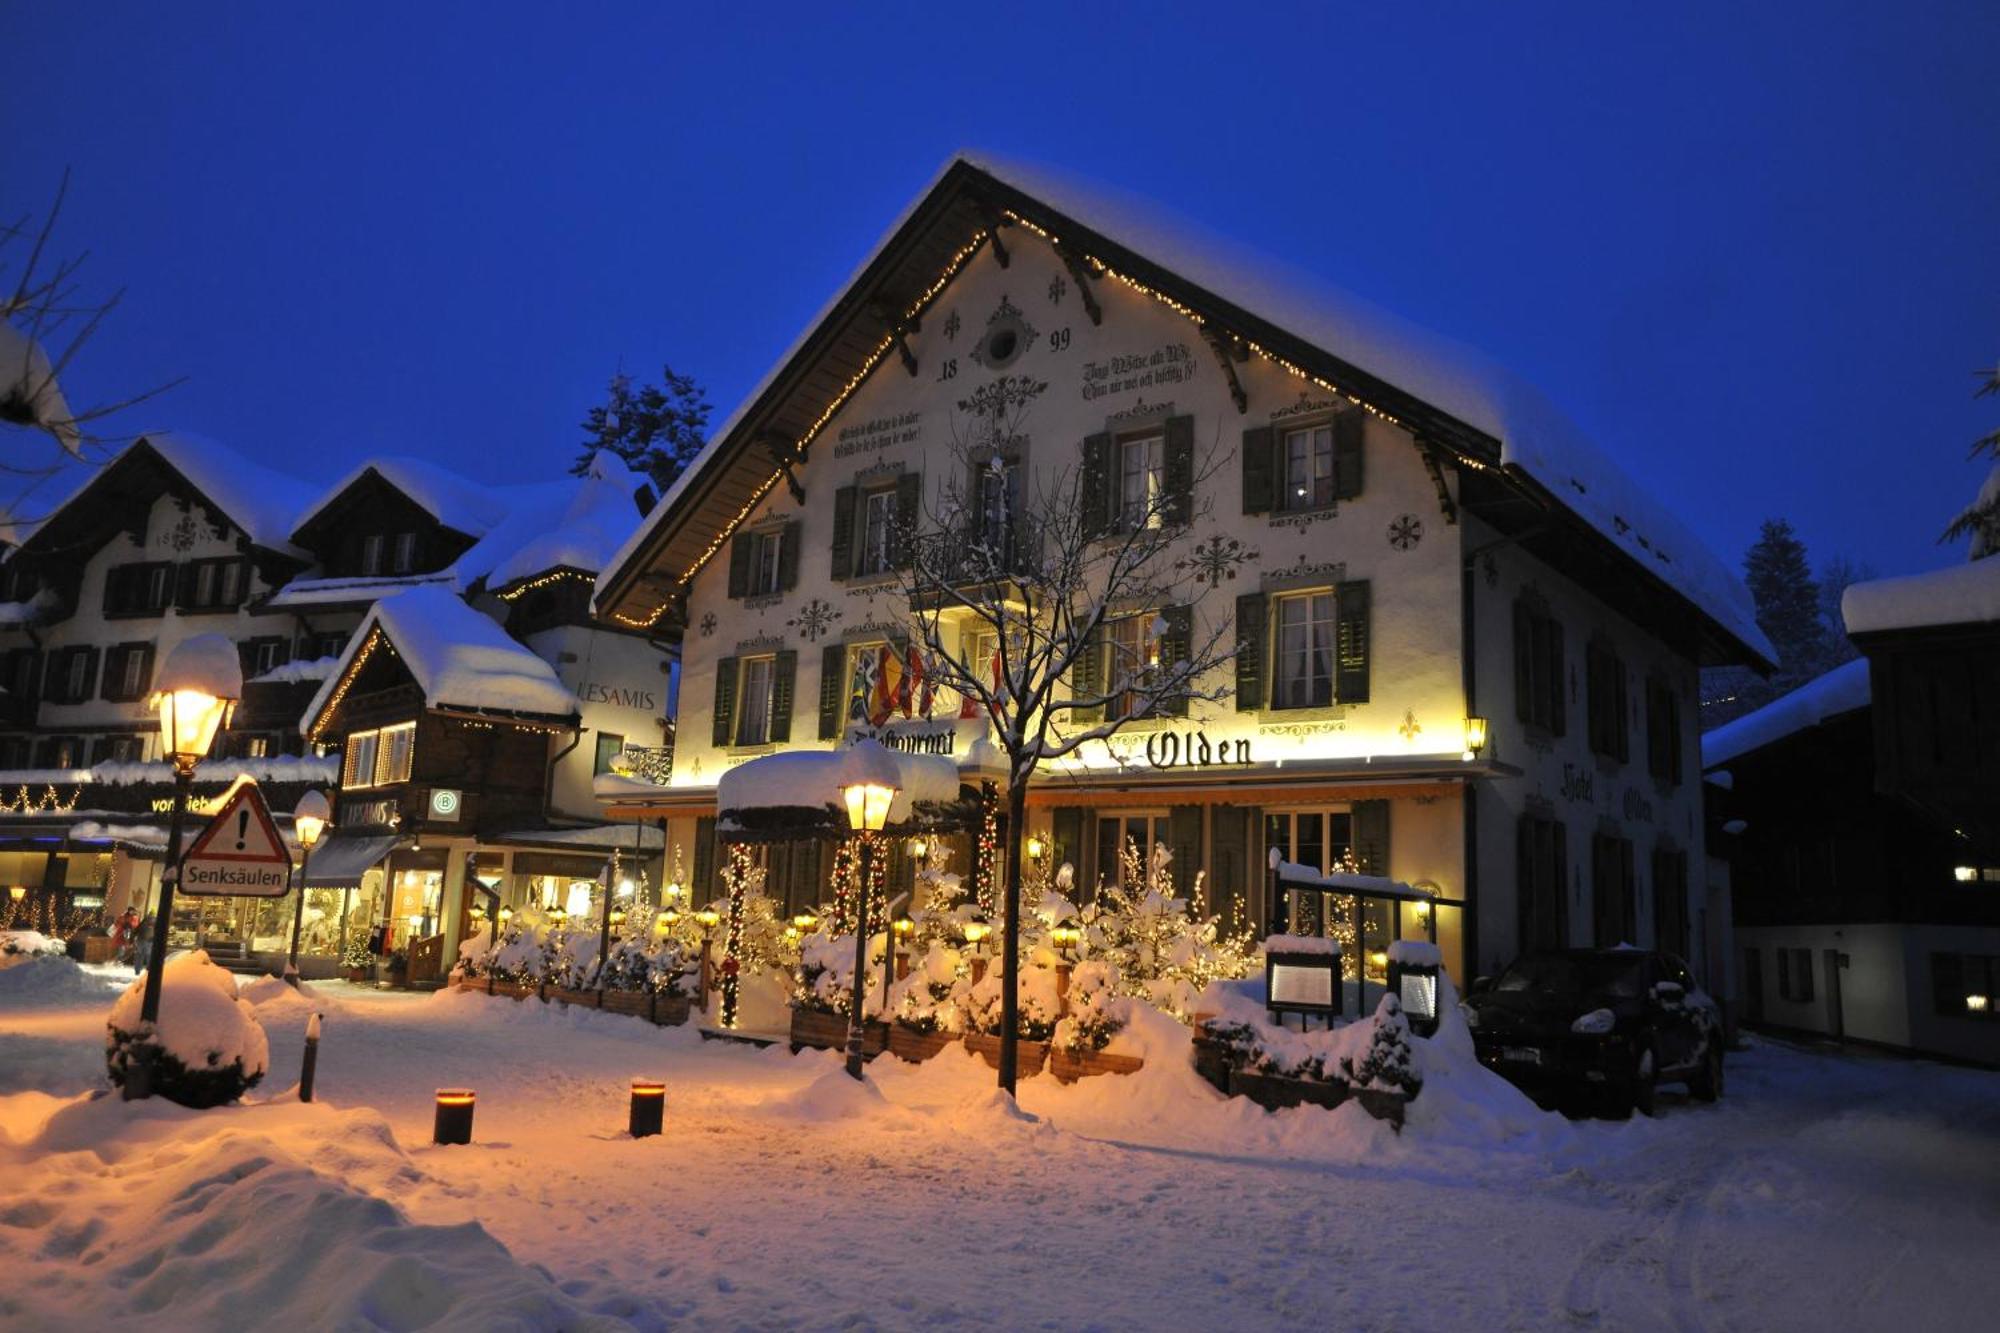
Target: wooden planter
{"x":1069,"y":1066}
{"x":669,"y":1011}
{"x":356,"y":974}
{"x":1213,"y":1060}
{"x":1030,"y":1054}
{"x":828,"y":1032}
{"x":1274,"y":1093}
{"x":906,"y":1043}
{"x":632,"y":1002}
{"x":588,"y":999}
{"x":512,"y":989}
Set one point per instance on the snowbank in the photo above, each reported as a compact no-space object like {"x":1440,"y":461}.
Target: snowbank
{"x":18,"y":946}
{"x":47,"y":980}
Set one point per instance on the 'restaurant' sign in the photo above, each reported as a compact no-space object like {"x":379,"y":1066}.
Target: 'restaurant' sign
{"x":238,"y":854}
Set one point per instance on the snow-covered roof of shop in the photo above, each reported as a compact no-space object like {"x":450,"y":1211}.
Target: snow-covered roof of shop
{"x":1841,"y":690}
{"x":1966,"y":594}
{"x":342,"y":591}
{"x":576,"y":523}
{"x":458,"y":656}
{"x":1535,"y":437}
{"x":812,"y":778}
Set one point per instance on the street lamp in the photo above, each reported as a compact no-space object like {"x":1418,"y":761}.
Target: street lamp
{"x":1036,"y":848}
{"x":309,"y":818}
{"x":707,"y":918}
{"x":1066,"y":935}
{"x":198,"y":687}
{"x":869,"y":781}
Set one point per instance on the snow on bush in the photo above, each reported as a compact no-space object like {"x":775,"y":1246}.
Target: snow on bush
{"x":18,"y":946}
{"x":534,"y":951}
{"x":1096,"y":1013}
{"x":978,"y":1002}
{"x":1161,"y":952}
{"x":921,"y":1001}
{"x":208,"y":1047}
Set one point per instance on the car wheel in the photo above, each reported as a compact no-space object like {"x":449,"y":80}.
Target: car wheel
{"x":1645,"y":1085}
{"x":1706,"y":1084}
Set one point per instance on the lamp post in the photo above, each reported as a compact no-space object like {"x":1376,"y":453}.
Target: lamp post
{"x":707,"y":918}
{"x":312,"y":815}
{"x":199,"y":685}
{"x":870,"y":779}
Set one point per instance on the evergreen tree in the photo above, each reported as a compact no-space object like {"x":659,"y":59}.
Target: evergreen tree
{"x":656,"y":429}
{"x":1788,"y":606}
{"x":1981,"y":520}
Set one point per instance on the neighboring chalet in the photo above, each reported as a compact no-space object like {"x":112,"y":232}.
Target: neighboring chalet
{"x":178,"y":536}
{"x":1862,"y":817}
{"x":1400,"y":536}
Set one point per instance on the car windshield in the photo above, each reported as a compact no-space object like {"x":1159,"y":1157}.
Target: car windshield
{"x":1609,"y":976}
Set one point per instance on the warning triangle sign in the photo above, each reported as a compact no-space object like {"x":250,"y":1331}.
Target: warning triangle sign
{"x":239,"y":852}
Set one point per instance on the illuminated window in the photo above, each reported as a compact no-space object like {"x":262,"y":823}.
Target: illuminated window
{"x":878,"y":532}
{"x":380,"y":757}
{"x":1142,"y":480}
{"x":1308,"y":468}
{"x":766,"y":562}
{"x":1134,"y":658}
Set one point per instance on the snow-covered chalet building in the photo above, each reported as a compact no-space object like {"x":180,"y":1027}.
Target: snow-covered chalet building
{"x":1409,"y":538}
{"x":1861,"y":818}
{"x":179,"y":536}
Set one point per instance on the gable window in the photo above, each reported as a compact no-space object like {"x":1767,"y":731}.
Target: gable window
{"x":1142,"y":480}
{"x":753,"y":707}
{"x":1663,"y":732}
{"x":372,"y":547}
{"x":1538,"y":667}
{"x":405,"y":558}
{"x":380,"y":756}
{"x":1609,"y":732}
{"x":609,"y":747}
{"x":1305,"y":642}
{"x":764,"y":561}
{"x":211,"y":585}
{"x":130,"y":671}
{"x":878,"y":531}
{"x":139,"y":589}
{"x":1308,"y":468}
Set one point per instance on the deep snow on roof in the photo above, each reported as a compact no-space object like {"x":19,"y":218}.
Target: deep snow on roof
{"x":459,"y":657}
{"x":1534,"y":435}
{"x":1841,"y":690}
{"x":577,"y":523}
{"x":452,"y":500}
{"x":1967,"y":594}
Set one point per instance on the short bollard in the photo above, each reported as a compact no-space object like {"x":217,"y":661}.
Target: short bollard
{"x":311,"y":1061}
{"x":649,"y":1107}
{"x":454,"y":1116}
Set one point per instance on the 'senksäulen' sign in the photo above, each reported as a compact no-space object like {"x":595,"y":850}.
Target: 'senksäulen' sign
{"x":238,"y":853}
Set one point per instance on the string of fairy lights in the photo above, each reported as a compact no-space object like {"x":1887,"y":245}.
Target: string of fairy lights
{"x":346,"y":682}
{"x":21,"y":803}
{"x":736,"y":880}
{"x":1092,"y":263}
{"x":554,"y":576}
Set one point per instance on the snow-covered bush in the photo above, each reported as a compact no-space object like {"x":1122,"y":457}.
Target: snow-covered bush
{"x":977,"y":1003}
{"x":1096,"y":1013}
{"x":825,"y":974}
{"x":18,"y":946}
{"x":207,"y":1049}
{"x":1388,"y":1065}
{"x":1161,"y":951}
{"x":922,"y":1000}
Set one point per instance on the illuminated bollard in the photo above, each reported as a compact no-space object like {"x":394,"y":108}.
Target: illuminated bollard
{"x":454,"y":1116}
{"x":649,"y":1107}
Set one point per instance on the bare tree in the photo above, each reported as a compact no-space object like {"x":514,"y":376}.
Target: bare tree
{"x":1063,"y":605}
{"x":45,"y":322}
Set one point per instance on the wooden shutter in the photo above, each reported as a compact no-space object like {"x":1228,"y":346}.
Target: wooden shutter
{"x":1351,"y":643}
{"x":742,"y":551}
{"x":1175,"y":646}
{"x":1259,"y":461}
{"x":1097,"y":491}
{"x":146,"y":652}
{"x":725,"y":701}
{"x":1525,"y":898}
{"x":115,"y":581}
{"x":788,"y":555}
{"x":703,"y":889}
{"x":784,"y":678}
{"x":114,"y":670}
{"x":1524,"y":662}
{"x":1184,"y":840}
{"x":844,"y":501}
{"x":90,"y":657}
{"x":1250,"y":640}
{"x":1348,"y":454}
{"x":1371,"y":836}
{"x":1179,"y":478}
{"x":832,"y":666}
{"x":1087,"y":678}
{"x":909,"y":503}
{"x":1558,"y":681}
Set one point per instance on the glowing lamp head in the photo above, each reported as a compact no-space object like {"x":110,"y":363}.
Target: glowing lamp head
{"x":558,"y":914}
{"x":708,"y":918}
{"x":310,"y":817}
{"x":617,"y":916}
{"x":17,"y":891}
{"x":673,"y":889}
{"x":1066,"y":934}
{"x":1037,"y":849}
{"x":195,"y":692}
{"x":506,"y":915}
{"x":902,"y":925}
{"x":869,"y":781}
{"x":919,"y":848}
{"x":976,"y":931}
{"x":1475,"y":736}
{"x":1965,"y":874}
{"x":805,"y":921}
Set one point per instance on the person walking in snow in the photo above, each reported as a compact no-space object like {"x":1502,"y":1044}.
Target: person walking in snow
{"x":142,"y":944}
{"x":122,"y":932}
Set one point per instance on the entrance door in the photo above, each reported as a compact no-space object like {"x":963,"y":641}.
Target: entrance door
{"x":1835,"y":1021}
{"x":1753,"y":985}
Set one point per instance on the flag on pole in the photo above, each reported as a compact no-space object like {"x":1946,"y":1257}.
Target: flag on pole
{"x":888,"y":680}
{"x":920,"y":682}
{"x":863,"y":688}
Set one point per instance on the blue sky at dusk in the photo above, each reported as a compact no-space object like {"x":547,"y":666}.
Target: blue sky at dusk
{"x":1749,"y":247}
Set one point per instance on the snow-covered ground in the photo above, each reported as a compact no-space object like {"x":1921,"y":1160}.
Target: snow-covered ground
{"x":1825,"y":1191}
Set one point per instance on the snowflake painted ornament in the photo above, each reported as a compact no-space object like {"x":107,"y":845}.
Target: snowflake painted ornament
{"x":1405,"y":531}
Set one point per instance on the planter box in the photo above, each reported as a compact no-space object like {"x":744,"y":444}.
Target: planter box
{"x":1213,"y":1060}
{"x":907,"y":1043}
{"x":1069,"y":1066}
{"x":588,"y":999}
{"x":1274,"y":1093}
{"x":670,"y":1011}
{"x":828,"y":1032}
{"x":1030,"y":1054}
{"x":1387,"y":1106}
{"x":92,"y":948}
{"x":624,"y":1002}
{"x":513,"y":990}
{"x":357,"y":974}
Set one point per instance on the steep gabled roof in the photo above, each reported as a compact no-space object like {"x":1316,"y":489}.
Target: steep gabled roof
{"x":460,"y":659}
{"x":1450,"y":397}
{"x":463,"y":506}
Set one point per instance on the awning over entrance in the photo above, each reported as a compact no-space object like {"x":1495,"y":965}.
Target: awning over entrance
{"x":340,"y":861}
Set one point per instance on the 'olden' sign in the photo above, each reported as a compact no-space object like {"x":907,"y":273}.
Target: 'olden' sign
{"x":238,"y":854}
{"x":1170,"y":749}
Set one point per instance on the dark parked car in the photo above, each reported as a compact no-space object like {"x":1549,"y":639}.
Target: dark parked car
{"x":1610,"y":1023}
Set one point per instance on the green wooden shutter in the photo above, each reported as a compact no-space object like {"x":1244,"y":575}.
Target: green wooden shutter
{"x":1348,"y":454}
{"x":1524,"y":662}
{"x":909,"y":501}
{"x":832,"y":667}
{"x":844,"y":501}
{"x":741,"y":554}
{"x":788,"y":554}
{"x":1179,"y":479}
{"x":1250,"y":640}
{"x":1558,"y":682}
{"x":1371,"y":836}
{"x":1087,"y":678}
{"x":725,"y":701}
{"x":1259,"y":470}
{"x":784,"y":677}
{"x":703,"y":889}
{"x":1097,"y":492}
{"x":1175,"y":646}
{"x":1228,"y":859}
{"x":1351,"y":643}
{"x":1066,"y":828}
{"x":1184,"y":840}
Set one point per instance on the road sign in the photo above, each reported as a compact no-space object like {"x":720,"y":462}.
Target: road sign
{"x":239,"y":854}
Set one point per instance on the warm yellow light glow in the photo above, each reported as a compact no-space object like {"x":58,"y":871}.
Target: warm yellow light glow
{"x":805,"y":921}
{"x":617,"y":916}
{"x":902,"y":925}
{"x":1037,"y":849}
{"x":506,"y":915}
{"x":455,"y":1096}
{"x":310,"y":818}
{"x":976,"y":931}
{"x":919,"y":848}
{"x":1975,"y":1004}
{"x":1965,"y":874}
{"x":649,"y":1087}
{"x":1422,"y":909}
{"x":673,"y":889}
{"x":1379,"y":958}
{"x":707,"y":918}
{"x":868,"y":806}
{"x":1475,"y":736}
{"x":189,"y":720}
